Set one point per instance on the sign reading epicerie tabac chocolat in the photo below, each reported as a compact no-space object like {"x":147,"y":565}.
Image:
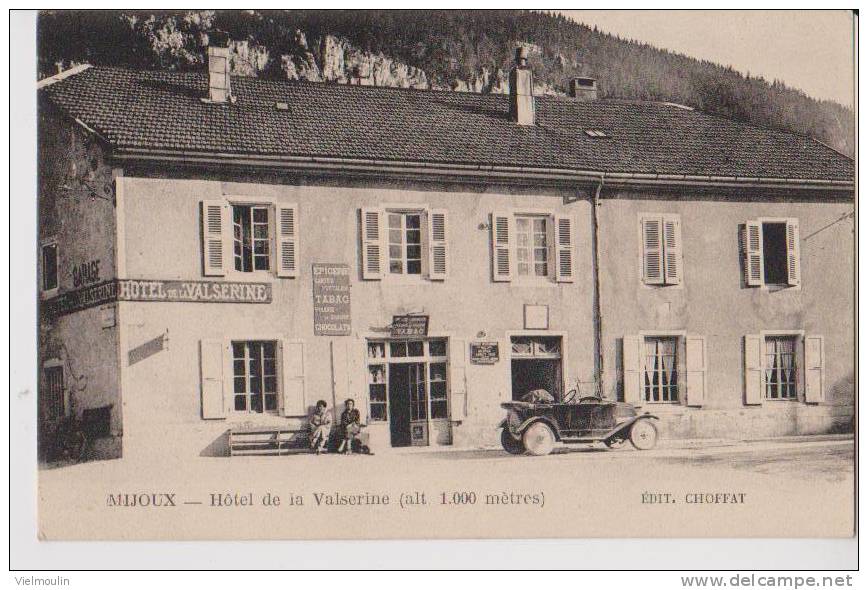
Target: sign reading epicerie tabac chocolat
{"x":193,"y":291}
{"x":331,"y":299}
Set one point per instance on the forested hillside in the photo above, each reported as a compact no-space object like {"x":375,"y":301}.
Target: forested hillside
{"x":458,"y":50}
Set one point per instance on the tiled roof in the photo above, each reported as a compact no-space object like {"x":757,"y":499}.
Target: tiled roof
{"x":163,"y":110}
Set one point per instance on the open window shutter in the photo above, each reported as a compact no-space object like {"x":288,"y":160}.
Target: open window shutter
{"x":216,"y":226}
{"x":672,"y":249}
{"x":652,"y":250}
{"x":457,"y":377}
{"x":793,"y":263}
{"x":753,"y":369}
{"x":696,"y":369}
{"x":501,"y":245}
{"x":293,"y":401}
{"x":814,"y":369}
{"x":287,"y":240}
{"x":564,"y":249}
{"x":753,"y":254}
{"x":438,"y":263}
{"x":632,"y":358}
{"x":211,"y":356}
{"x":372,"y":244}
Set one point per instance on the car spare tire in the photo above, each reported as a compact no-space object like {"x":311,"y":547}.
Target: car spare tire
{"x":511,"y":445}
{"x":538,"y":439}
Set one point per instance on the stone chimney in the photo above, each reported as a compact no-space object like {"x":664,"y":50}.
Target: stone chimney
{"x":219,"y":83}
{"x":521,"y":105}
{"x":583,"y":89}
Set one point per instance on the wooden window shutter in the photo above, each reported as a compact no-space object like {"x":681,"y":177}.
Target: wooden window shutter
{"x":372,"y":243}
{"x":292,"y":398}
{"x":652,"y":251}
{"x":793,"y":263}
{"x":696,"y":367}
{"x":216,"y":225}
{"x":564,"y":249}
{"x":211,"y":365}
{"x":501,"y":246}
{"x":672,"y":249}
{"x":287,"y":240}
{"x":457,"y":377}
{"x":438,"y":259}
{"x":633,"y":370}
{"x":753,"y":254}
{"x":754,"y":367}
{"x":815,"y":357}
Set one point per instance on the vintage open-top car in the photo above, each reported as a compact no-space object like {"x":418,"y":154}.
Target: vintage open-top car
{"x":535,"y":426}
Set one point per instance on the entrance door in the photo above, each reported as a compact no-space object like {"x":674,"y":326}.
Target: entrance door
{"x":399,"y":404}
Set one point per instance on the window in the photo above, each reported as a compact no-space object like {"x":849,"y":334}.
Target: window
{"x":775,"y":253}
{"x":531,"y":252}
{"x":405,"y":243}
{"x":661,"y":249}
{"x":52,"y":395}
{"x":661,"y":369}
{"x":771,"y":252}
{"x":398,"y":242}
{"x":255,"y":376}
{"x":249,"y":238}
{"x":49,"y":266}
{"x":780,"y":367}
{"x":251,"y":241}
{"x":531,"y":246}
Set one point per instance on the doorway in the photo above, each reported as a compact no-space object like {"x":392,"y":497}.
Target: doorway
{"x":537,"y":364}
{"x":408,"y":404}
{"x":407,"y":389}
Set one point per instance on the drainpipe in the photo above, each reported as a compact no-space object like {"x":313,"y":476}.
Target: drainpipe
{"x":598,"y":314}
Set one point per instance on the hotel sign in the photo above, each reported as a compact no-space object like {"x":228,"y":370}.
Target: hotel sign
{"x":193,"y":291}
{"x":331,"y":299}
{"x":167,"y":291}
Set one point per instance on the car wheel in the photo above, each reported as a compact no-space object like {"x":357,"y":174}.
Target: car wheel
{"x":538,"y":439}
{"x":511,"y":445}
{"x":643,"y":435}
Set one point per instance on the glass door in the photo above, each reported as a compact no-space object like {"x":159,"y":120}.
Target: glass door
{"x":418,"y":404}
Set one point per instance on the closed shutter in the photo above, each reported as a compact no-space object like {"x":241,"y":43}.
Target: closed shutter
{"x":696,"y":366}
{"x":287,"y":240}
{"x":753,"y":369}
{"x":292,"y":394}
{"x":652,"y":251}
{"x":815,"y":357}
{"x":753,"y":254}
{"x":633,"y":370}
{"x":372,"y":244}
{"x":672,"y":249}
{"x":794,"y":273}
{"x":457,"y":377}
{"x":215,"y":229}
{"x":564,"y":249}
{"x":501,"y":246}
{"x":211,"y":364}
{"x":438,"y":263}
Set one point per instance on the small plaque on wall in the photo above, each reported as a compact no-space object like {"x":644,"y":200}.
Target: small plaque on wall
{"x":536,"y":317}
{"x":484,"y":353}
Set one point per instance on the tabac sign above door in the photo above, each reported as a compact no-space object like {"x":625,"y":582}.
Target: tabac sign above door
{"x":409,"y":326}
{"x":168,"y":291}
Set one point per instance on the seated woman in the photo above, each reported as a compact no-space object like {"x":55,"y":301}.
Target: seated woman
{"x":350,"y":427}
{"x":320,"y":427}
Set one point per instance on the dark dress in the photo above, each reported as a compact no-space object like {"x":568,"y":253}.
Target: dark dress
{"x":350,"y":423}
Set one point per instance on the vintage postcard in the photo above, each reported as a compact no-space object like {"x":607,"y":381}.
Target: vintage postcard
{"x":445,"y":274}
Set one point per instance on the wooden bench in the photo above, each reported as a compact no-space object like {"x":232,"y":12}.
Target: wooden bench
{"x":267,"y":441}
